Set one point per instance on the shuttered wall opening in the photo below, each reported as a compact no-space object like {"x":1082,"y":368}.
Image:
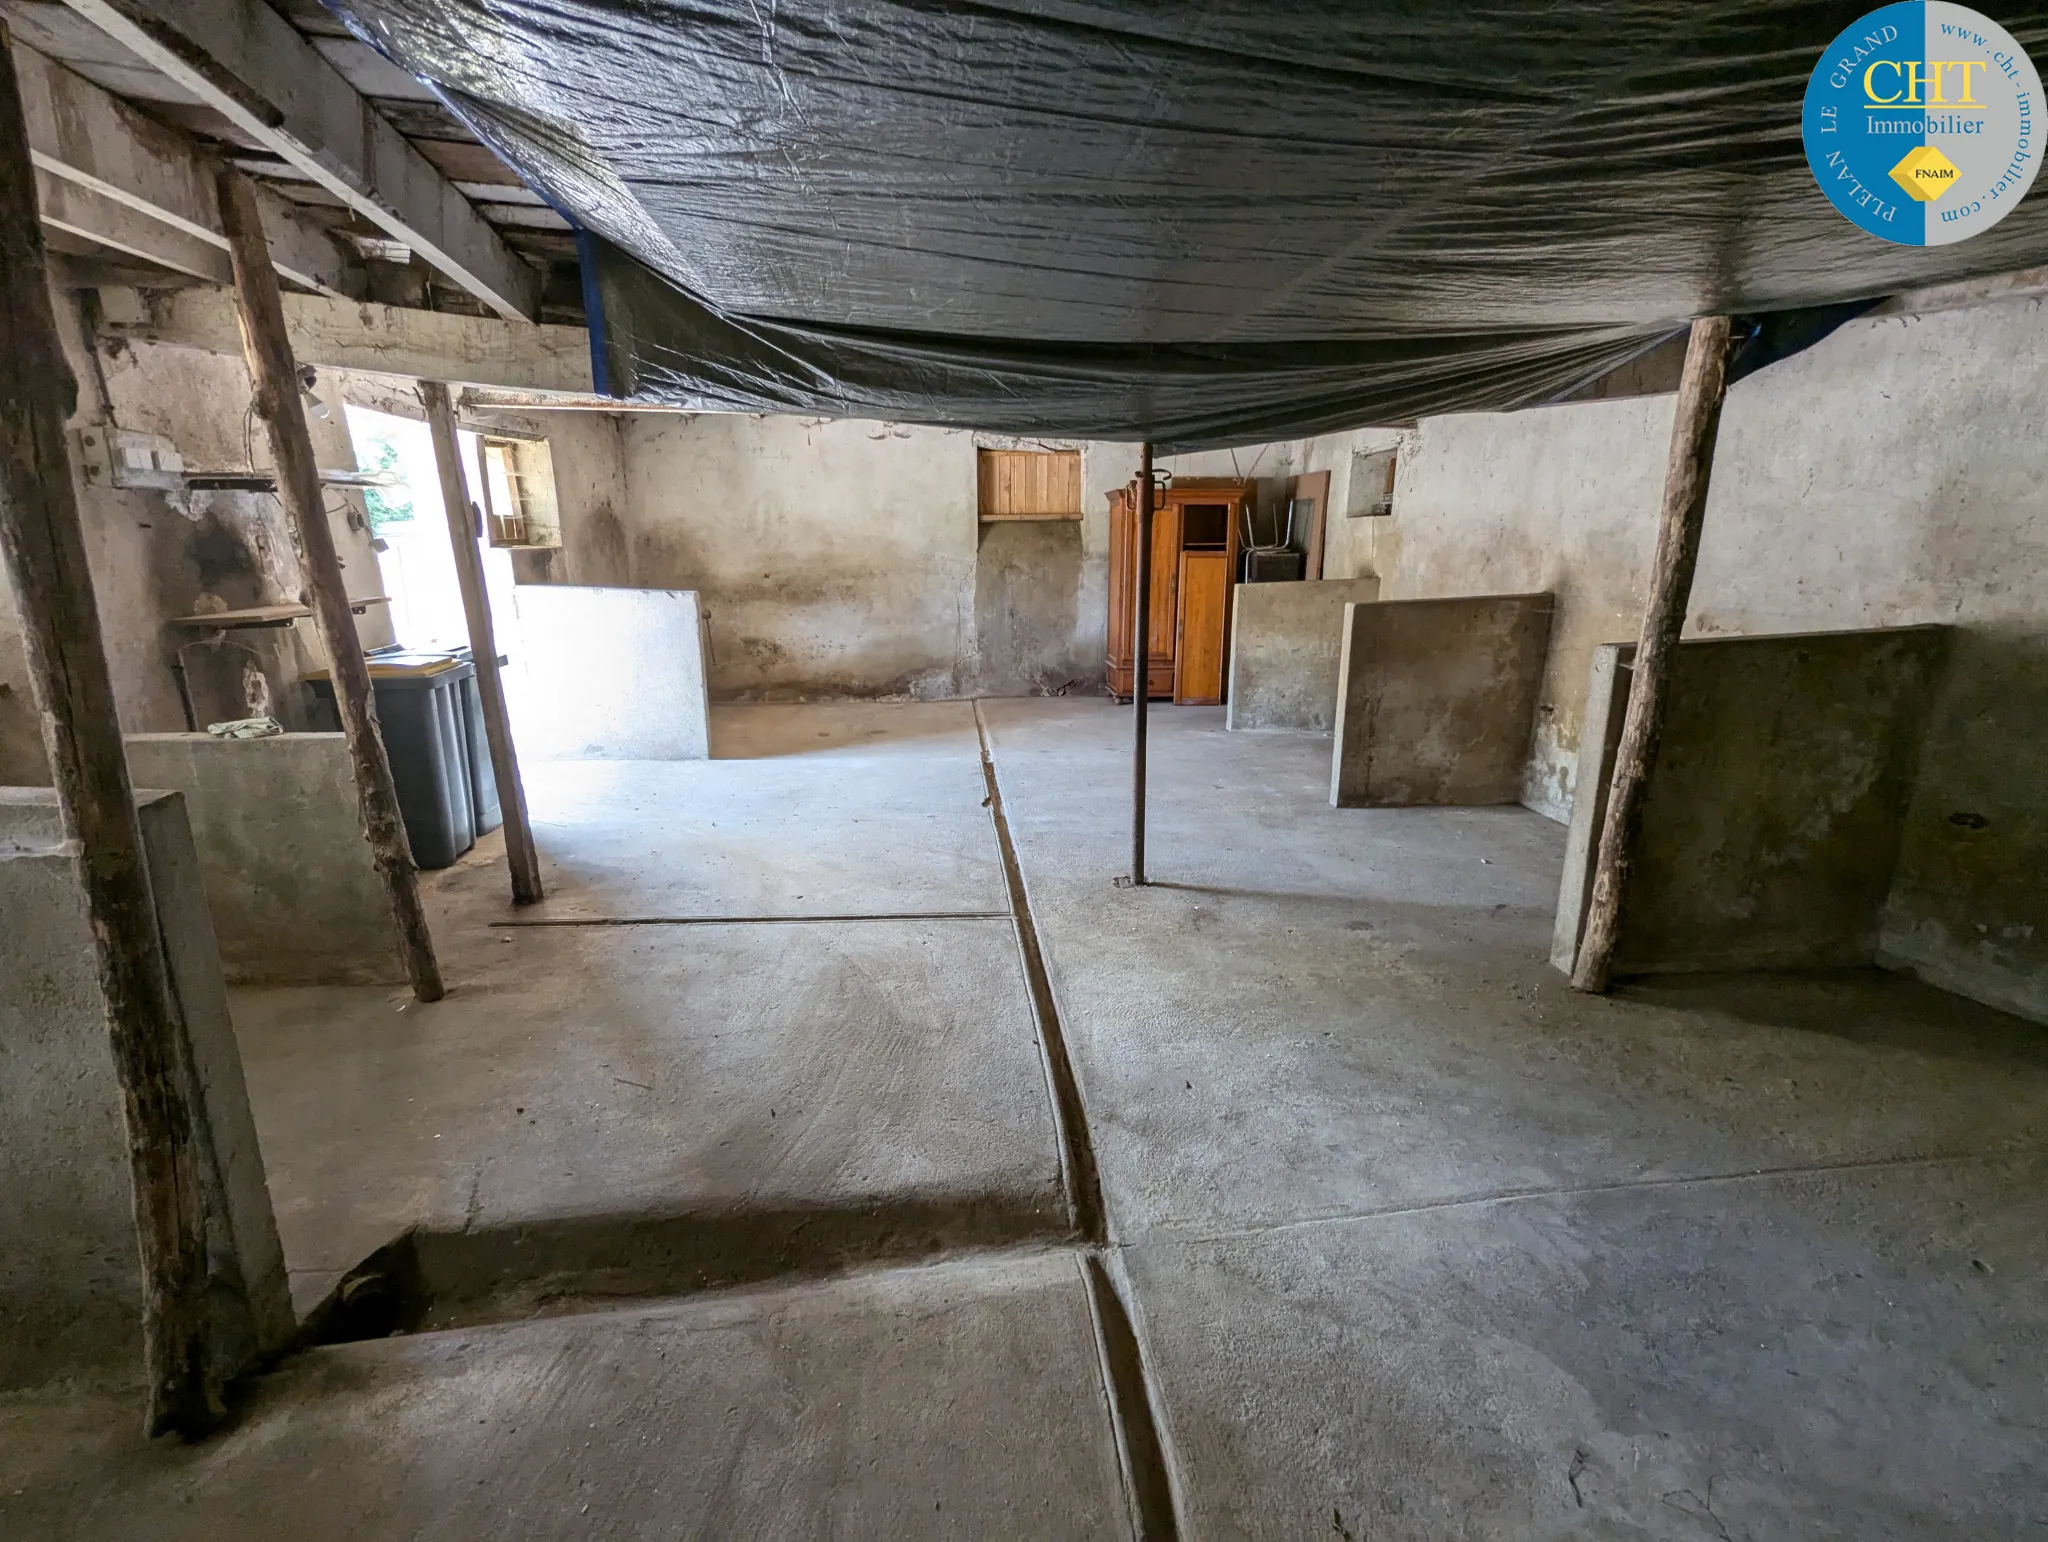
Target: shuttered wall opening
{"x":1030,"y":484}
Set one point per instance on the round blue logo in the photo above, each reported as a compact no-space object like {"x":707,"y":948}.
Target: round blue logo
{"x":1923,"y":123}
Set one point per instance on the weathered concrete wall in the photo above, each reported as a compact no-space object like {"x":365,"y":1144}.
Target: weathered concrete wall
{"x":838,"y":558}
{"x":1285,"y":647}
{"x":609,"y":674}
{"x":154,"y":556}
{"x":588,"y":450}
{"x":1030,"y":577}
{"x":1969,"y":908}
{"x":1890,"y":476}
{"x":1434,"y":700}
{"x":1774,"y":815}
{"x":70,"y":1281}
{"x":293,"y":892}
{"x":846,"y":558}
{"x":834,"y":559}
{"x":1887,"y":477}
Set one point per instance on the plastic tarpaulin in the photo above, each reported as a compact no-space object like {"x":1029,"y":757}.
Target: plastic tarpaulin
{"x":1198,"y":223}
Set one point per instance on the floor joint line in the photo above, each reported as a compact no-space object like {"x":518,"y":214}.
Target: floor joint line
{"x":895,"y":915}
{"x":1128,"y":1382}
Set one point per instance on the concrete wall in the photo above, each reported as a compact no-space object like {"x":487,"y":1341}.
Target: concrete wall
{"x":1285,"y":647}
{"x":1968,"y":910}
{"x":1435,"y":698}
{"x":588,"y":450}
{"x":1890,"y":476}
{"x":1775,"y":811}
{"x":608,"y":674}
{"x":837,"y":559}
{"x":154,"y":556}
{"x":289,"y":879}
{"x":846,"y":559}
{"x":70,"y":1279}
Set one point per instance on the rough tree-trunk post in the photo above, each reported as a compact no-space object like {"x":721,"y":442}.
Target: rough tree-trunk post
{"x":1141,"y":669}
{"x":1700,"y":394}
{"x":276,"y":378}
{"x":463,"y":531}
{"x":44,"y":547}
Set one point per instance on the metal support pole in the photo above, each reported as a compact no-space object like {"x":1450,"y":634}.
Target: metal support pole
{"x":1141,"y":671}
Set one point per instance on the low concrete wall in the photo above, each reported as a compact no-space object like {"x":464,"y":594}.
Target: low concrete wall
{"x":289,"y":877}
{"x":609,"y":674}
{"x":70,"y":1277}
{"x":1285,"y":643}
{"x":1435,"y":700}
{"x":1775,"y":811}
{"x":1968,"y":909}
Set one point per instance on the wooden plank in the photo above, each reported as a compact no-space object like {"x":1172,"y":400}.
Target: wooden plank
{"x":1028,"y":484}
{"x":465,"y":530}
{"x":1315,"y":486}
{"x":146,"y":189}
{"x":1165,"y":608}
{"x":1198,"y":639}
{"x":80,"y":211}
{"x":1696,"y":424}
{"x":282,"y":409}
{"x":387,"y":340}
{"x":246,"y":62}
{"x":44,"y":547}
{"x":1122,"y":527}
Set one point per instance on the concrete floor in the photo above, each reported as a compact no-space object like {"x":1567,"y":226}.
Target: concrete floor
{"x":759,"y":1227}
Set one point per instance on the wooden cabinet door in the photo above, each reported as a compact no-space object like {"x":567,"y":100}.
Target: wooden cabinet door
{"x":1165,"y":612}
{"x":1203,"y":627}
{"x":1121,"y":522}
{"x":1123,"y":580}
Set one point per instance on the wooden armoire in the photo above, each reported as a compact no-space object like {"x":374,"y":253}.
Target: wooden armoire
{"x":1197,"y":528}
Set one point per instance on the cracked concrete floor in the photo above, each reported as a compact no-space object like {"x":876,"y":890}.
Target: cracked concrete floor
{"x":1417,"y":1243}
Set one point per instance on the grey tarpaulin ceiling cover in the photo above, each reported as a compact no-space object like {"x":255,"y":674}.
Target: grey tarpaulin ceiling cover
{"x":1200,"y":223}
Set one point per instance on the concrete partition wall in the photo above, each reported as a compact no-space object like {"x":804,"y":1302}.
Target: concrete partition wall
{"x":1436,"y":700}
{"x":1776,"y":808}
{"x":70,"y":1275}
{"x":609,"y":674}
{"x":1284,"y":645}
{"x":289,"y":877}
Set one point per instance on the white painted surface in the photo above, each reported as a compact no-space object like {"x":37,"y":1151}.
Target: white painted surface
{"x":608,"y":674}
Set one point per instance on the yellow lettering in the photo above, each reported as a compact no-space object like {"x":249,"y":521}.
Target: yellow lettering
{"x":1967,"y":65}
{"x":1870,"y":86}
{"x":1912,"y":83}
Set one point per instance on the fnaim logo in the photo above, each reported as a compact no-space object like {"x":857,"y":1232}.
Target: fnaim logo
{"x":1923,"y":123}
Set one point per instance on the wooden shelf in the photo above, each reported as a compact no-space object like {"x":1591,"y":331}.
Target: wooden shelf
{"x":266,"y":615}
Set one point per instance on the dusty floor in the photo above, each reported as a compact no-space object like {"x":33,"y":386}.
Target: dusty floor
{"x":740,"y":1195}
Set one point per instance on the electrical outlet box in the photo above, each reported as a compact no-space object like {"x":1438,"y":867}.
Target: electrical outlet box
{"x":127,"y":458}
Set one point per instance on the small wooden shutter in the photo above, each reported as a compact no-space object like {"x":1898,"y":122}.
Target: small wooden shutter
{"x":1030,"y":484}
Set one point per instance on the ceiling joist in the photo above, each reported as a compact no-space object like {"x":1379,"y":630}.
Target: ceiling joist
{"x":107,"y":173}
{"x":249,"y":64}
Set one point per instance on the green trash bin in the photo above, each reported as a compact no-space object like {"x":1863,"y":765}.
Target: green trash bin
{"x":426,"y":735}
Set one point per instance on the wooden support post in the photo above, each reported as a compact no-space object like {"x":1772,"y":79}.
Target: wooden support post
{"x":44,"y":547}
{"x":1701,"y":391}
{"x":1141,"y":672}
{"x":465,"y":531}
{"x":276,"y":378}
